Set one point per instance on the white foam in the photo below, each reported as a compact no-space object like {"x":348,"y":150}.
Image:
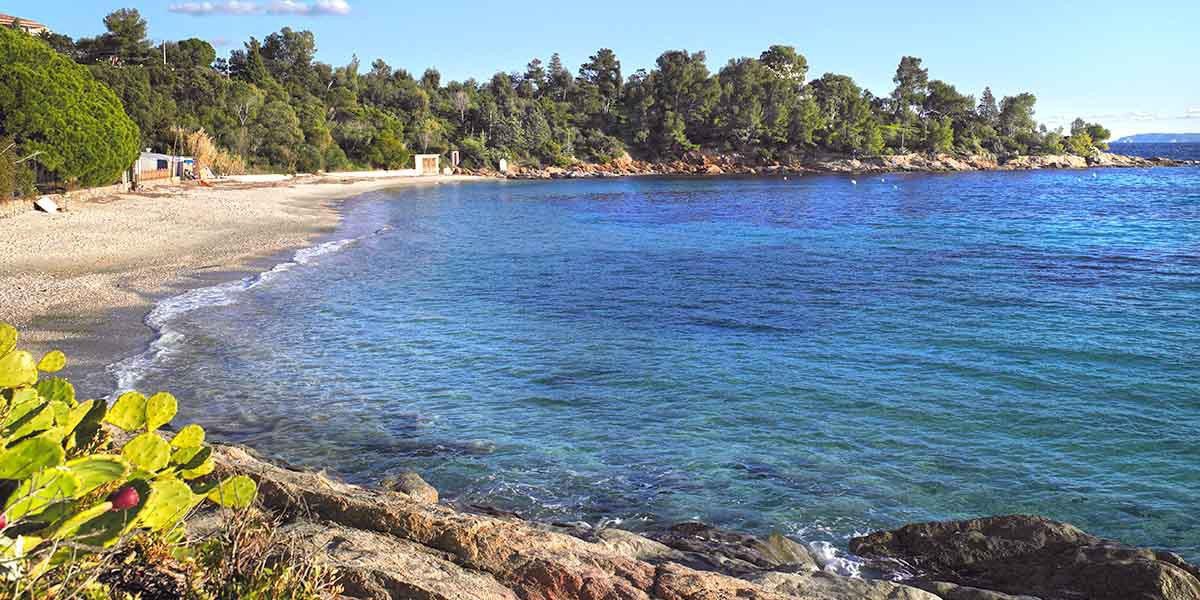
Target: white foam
{"x":168,"y":340}
{"x":832,"y":560}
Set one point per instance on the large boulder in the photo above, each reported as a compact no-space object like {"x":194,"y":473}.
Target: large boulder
{"x":1034,"y":556}
{"x":707,"y":548}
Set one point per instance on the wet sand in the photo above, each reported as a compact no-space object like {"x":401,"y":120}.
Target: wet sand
{"x":83,"y":280}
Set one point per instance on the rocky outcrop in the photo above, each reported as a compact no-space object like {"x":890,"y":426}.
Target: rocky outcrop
{"x":401,"y":543}
{"x":711,"y":163}
{"x":1031,"y":556}
{"x":390,"y":544}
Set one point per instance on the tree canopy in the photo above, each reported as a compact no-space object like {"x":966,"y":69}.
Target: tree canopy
{"x":54,"y":109}
{"x":275,"y":104}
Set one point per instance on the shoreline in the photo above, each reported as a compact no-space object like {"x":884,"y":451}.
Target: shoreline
{"x":85,"y":280}
{"x":701,"y":163}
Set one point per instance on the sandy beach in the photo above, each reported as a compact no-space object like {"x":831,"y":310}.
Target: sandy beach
{"x":83,"y":280}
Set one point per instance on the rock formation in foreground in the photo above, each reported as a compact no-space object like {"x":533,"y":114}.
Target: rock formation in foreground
{"x":400,"y":543}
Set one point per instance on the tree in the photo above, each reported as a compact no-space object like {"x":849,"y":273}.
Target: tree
{"x":684,"y":98}
{"x":786,"y":64}
{"x":989,"y":113}
{"x":911,"y":86}
{"x":560,"y":79}
{"x":56,"y":110}
{"x":191,"y":53}
{"x":276,"y":135}
{"x":1016,"y":115}
{"x":602,"y":72}
{"x":125,"y":40}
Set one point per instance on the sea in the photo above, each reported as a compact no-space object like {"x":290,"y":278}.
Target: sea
{"x":819,"y":356}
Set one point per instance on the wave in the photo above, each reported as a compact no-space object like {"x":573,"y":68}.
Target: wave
{"x":168,"y":340}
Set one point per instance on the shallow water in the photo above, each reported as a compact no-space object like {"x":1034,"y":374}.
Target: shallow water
{"x":816,"y":356}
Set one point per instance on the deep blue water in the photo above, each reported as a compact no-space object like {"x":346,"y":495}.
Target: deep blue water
{"x":814,"y":356}
{"x":1175,"y":151}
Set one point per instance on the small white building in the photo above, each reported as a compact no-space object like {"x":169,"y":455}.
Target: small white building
{"x":427,"y":164}
{"x":152,"y":166}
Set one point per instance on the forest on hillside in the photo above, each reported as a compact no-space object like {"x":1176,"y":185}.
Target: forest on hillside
{"x":276,"y":107}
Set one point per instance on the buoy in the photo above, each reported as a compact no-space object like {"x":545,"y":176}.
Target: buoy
{"x":854,"y":182}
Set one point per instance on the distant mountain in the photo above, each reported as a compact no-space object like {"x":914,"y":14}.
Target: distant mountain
{"x":1160,"y":138}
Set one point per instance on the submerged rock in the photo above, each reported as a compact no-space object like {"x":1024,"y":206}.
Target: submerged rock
{"x":1032,"y":556}
{"x":411,"y":485}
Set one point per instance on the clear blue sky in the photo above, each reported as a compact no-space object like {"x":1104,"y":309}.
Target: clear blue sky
{"x":1135,"y":66}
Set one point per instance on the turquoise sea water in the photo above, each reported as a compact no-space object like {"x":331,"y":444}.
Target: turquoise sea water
{"x":818,"y":356}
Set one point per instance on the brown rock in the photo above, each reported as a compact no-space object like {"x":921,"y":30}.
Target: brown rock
{"x":950,"y":591}
{"x":1034,"y":556}
{"x":824,"y":586}
{"x":411,"y":485}
{"x":707,"y":548}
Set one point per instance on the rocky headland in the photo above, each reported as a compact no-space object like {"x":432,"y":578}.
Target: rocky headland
{"x":398,"y":541}
{"x":711,"y":163}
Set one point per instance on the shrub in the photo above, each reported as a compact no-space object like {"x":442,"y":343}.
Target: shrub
{"x":16,"y":179}
{"x":56,"y":108}
{"x":71,"y":493}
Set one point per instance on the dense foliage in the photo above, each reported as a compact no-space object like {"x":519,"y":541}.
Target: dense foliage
{"x":274,"y":104}
{"x":55,"y":109}
{"x":70,"y":492}
{"x":16,"y":179}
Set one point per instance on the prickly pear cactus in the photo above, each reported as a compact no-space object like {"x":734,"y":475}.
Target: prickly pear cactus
{"x":63,"y":485}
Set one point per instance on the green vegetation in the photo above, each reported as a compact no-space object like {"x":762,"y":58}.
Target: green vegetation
{"x":55,"y":110}
{"x":272,"y":104}
{"x":73,"y":496}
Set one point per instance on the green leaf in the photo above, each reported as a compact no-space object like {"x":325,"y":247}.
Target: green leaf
{"x":77,"y":414}
{"x":190,"y":458}
{"x":147,"y":452}
{"x":128,"y":412}
{"x":169,"y":501}
{"x":17,"y":369}
{"x":52,"y":362}
{"x":191,"y":436}
{"x":160,"y":409}
{"x":30,"y":456}
{"x":236,"y":492}
{"x":97,"y":470}
{"x":31,"y":418}
{"x":8,"y":338}
{"x":56,"y":388}
{"x":41,"y":490}
{"x":89,"y":426}
{"x":70,"y":527}
{"x":200,"y":470}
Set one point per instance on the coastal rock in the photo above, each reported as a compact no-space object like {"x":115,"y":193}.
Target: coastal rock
{"x":389,"y":545}
{"x":411,"y":484}
{"x":950,"y":591}
{"x":824,"y":586}
{"x":530,"y":562}
{"x":382,"y":567}
{"x":1029,"y":555}
{"x":707,"y":548}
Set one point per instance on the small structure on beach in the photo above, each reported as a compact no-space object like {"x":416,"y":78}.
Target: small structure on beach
{"x":27,"y":25}
{"x":428,"y":164}
{"x":153,"y":166}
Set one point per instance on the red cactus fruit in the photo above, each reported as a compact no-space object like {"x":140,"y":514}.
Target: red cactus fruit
{"x":124,"y":498}
{"x":3,"y":520}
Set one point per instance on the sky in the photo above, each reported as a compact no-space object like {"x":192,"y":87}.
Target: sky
{"x":1133,"y":66}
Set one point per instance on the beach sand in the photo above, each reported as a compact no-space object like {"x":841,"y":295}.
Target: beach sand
{"x":82,"y":281}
